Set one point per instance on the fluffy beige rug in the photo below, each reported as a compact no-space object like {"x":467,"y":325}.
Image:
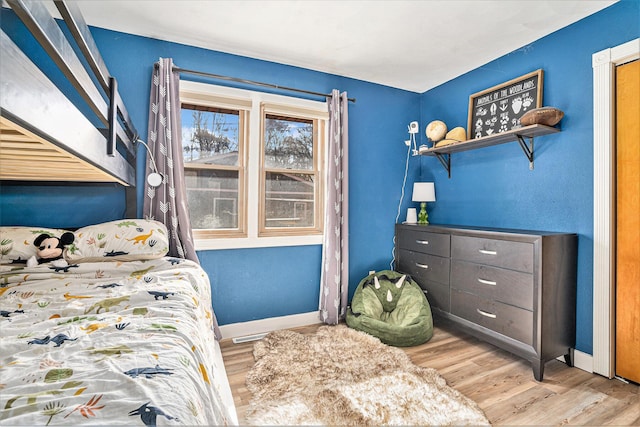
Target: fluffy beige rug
{"x":340,"y":376}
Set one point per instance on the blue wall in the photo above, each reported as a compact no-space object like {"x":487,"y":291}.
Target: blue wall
{"x":60,"y":205}
{"x":488,"y":187}
{"x":494,"y":186}
{"x":248,"y":284}
{"x":259,"y":283}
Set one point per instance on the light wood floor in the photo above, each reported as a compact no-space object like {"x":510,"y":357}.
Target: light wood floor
{"x":499,"y":382}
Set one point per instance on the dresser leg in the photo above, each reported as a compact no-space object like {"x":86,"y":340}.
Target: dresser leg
{"x":538,"y":369}
{"x":568,"y":358}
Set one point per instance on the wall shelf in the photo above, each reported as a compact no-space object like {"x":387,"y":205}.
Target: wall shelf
{"x":524,"y":136}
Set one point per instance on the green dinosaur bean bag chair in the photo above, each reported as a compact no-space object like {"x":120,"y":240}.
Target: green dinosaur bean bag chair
{"x":391,"y":307}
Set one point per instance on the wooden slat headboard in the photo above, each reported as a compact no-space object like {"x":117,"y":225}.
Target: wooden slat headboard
{"x":26,"y":156}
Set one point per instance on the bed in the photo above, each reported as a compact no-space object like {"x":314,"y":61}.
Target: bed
{"x":116,"y":332}
{"x":68,"y":122}
{"x":121,"y":334}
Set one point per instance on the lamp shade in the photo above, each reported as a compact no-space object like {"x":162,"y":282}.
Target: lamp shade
{"x":424,"y":192}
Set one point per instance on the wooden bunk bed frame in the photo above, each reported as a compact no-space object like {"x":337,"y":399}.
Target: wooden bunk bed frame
{"x":39,"y":125}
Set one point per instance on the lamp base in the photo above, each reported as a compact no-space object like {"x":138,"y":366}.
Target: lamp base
{"x":422,"y":215}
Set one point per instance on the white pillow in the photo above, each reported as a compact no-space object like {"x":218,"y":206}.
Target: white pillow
{"x":121,"y":240}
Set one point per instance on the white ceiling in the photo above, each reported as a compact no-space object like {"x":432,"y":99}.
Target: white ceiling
{"x":408,"y":44}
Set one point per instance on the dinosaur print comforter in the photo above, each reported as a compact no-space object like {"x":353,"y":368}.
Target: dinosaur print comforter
{"x":110,"y":343}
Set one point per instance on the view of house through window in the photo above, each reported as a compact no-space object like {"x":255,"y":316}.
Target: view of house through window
{"x":288,"y":166}
{"x":252,"y":178}
{"x":211,"y":144}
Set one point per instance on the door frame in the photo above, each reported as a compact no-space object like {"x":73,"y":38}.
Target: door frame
{"x":604,"y":63}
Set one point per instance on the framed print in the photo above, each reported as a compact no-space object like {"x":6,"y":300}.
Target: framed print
{"x":498,"y":109}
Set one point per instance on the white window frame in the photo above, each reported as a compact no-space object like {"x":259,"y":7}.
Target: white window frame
{"x":192,"y":92}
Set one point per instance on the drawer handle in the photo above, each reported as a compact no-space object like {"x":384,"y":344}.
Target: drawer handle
{"x":485,"y":314}
{"x":425,"y":266}
{"x":422,"y":242}
{"x":486,"y":252}
{"x":487,"y":282}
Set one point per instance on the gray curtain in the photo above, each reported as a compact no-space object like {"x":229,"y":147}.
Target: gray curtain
{"x":334,"y":281}
{"x":168,"y":202}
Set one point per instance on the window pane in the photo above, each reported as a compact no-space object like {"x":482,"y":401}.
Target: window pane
{"x":290,"y":200}
{"x":212,"y":196}
{"x":210,"y":135}
{"x":288,"y":143}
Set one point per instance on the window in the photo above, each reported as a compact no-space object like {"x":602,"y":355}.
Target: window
{"x":290,"y":168}
{"x":213,"y":147}
{"x":253,"y":166}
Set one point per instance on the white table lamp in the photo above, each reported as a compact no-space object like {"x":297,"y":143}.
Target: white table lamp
{"x":423,"y":192}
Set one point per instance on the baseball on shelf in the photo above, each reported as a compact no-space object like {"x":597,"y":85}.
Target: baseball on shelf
{"x":436,"y":130}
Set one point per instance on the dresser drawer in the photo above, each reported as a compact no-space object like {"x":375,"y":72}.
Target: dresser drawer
{"x":425,"y":242}
{"x":504,"y":319}
{"x":500,"y":253}
{"x":424,"y":267}
{"x":437,"y":294}
{"x":499,"y":284}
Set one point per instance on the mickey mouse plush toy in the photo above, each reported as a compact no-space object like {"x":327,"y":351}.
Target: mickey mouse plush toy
{"x":50,"y":248}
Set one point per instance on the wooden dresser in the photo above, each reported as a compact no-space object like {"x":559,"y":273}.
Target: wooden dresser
{"x":515,"y":289}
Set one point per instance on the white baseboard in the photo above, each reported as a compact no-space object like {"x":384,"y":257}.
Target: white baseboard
{"x":581,"y":360}
{"x":261,"y":326}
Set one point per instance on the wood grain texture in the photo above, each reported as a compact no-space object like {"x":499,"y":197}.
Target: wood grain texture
{"x":502,"y":384}
{"x":25,"y":156}
{"x":628,"y":221}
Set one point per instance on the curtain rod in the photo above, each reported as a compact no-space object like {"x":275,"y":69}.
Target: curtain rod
{"x":251,"y":82}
